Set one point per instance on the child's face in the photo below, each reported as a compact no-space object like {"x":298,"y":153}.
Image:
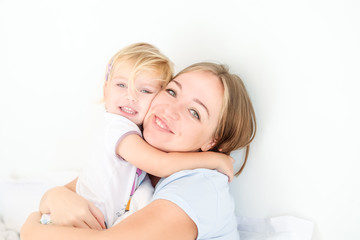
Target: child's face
{"x":133,"y":105}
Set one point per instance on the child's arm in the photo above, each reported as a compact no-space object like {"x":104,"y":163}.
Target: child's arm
{"x":138,"y":152}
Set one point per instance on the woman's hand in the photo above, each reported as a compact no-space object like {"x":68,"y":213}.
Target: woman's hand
{"x":32,"y":229}
{"x":70,"y":209}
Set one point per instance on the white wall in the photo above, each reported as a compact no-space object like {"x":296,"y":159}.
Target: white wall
{"x":299,"y":59}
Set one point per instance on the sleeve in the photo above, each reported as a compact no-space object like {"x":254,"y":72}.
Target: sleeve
{"x":196,"y":192}
{"x":118,"y":127}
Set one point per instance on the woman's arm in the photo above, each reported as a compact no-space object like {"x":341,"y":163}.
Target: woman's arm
{"x":32,"y":229}
{"x":138,"y":152}
{"x":70,"y":209}
{"x":159,"y":220}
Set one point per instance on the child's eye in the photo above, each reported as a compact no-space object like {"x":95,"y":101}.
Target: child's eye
{"x":171,"y":92}
{"x":194,"y":114}
{"x":146,"y":91}
{"x":122,"y":85}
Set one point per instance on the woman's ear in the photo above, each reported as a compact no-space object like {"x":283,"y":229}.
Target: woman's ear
{"x":208,"y":145}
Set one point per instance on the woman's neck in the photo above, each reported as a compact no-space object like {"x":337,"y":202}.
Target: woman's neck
{"x":154,"y":180}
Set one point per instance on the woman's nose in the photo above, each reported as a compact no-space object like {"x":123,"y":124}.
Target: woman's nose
{"x":173,"y":112}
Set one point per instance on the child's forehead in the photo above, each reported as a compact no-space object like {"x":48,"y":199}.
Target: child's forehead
{"x":143,"y":79}
{"x":138,"y":63}
{"x":125,"y":69}
{"x":148,"y":79}
{"x":122,"y":63}
{"x":131,"y":65}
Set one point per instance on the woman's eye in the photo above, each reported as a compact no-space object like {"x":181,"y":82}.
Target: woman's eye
{"x":171,"y":92}
{"x":194,"y":114}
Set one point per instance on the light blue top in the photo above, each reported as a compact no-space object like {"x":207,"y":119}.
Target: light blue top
{"x":204,"y":195}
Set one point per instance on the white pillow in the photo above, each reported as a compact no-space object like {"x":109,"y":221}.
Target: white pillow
{"x":275,"y":228}
{"x":20,"y":197}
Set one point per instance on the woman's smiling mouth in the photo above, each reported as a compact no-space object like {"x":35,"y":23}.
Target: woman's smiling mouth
{"x":161,"y":124}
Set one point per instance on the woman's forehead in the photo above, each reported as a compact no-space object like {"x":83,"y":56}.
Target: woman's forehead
{"x":201,"y":87}
{"x":198,"y":79}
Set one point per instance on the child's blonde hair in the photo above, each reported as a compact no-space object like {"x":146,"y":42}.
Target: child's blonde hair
{"x":237,"y":124}
{"x":145,"y":57}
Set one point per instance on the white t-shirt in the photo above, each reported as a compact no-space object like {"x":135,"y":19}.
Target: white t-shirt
{"x":204,"y":195}
{"x":108,"y":180}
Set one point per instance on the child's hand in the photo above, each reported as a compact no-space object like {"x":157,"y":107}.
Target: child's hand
{"x":226,"y":165}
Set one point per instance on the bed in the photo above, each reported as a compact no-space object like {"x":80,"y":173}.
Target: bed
{"x":21,"y":196}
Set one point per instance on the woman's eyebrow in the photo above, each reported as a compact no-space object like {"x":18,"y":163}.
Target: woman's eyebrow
{"x":195,"y":99}
{"x":177,"y":83}
{"x":203,"y":105}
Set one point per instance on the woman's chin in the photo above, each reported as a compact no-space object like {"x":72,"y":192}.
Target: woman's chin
{"x":154,"y":141}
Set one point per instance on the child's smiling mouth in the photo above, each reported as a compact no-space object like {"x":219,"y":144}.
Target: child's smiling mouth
{"x":128,"y":110}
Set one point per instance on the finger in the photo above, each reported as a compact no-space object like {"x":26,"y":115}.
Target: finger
{"x":98,"y":215}
{"x":92,"y":222}
{"x":80,"y":224}
{"x":231,"y":176}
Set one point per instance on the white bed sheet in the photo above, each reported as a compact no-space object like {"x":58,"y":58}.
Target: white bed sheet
{"x":20,"y":197}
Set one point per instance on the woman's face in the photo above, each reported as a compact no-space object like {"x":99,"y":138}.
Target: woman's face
{"x":184,"y":116}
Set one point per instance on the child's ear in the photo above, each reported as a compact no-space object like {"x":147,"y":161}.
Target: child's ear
{"x":104,"y":87}
{"x":208,"y":145}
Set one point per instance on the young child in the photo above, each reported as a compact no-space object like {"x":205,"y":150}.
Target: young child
{"x":133,"y":77}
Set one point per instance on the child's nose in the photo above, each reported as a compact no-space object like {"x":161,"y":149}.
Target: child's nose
{"x":131,"y":96}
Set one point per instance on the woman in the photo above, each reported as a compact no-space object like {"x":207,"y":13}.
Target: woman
{"x":203,"y":108}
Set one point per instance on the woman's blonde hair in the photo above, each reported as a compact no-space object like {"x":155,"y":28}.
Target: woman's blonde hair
{"x":145,"y":57}
{"x":237,"y":123}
